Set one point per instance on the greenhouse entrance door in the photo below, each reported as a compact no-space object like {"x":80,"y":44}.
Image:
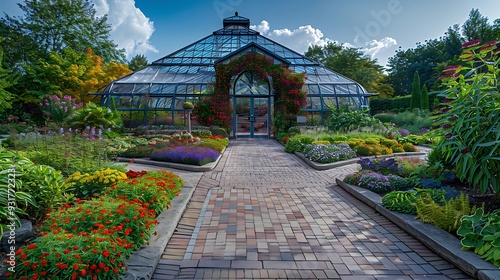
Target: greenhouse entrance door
{"x":252,"y":117}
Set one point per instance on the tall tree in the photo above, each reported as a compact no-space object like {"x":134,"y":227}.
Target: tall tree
{"x":415,"y":92}
{"x":138,"y":62}
{"x":53,"y":25}
{"x":7,"y":79}
{"x":354,"y":64}
{"x":477,"y":27}
{"x":72,"y":73}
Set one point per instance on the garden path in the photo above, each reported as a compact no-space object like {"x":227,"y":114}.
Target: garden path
{"x":264,"y":214}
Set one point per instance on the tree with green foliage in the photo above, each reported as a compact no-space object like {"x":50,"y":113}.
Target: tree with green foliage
{"x":477,"y":27}
{"x":138,"y":62}
{"x":7,"y":79}
{"x":53,"y":25}
{"x":415,"y":92}
{"x":424,"y":99}
{"x":354,"y":64}
{"x":432,"y":56}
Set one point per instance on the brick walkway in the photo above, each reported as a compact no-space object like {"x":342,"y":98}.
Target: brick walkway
{"x":263,"y":214}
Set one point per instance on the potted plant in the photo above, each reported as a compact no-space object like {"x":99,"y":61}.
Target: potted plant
{"x":187,"y":106}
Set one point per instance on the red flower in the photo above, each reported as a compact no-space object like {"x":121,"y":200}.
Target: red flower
{"x":105,"y":253}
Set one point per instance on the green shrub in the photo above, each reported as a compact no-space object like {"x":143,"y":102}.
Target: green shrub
{"x":352,"y":120}
{"x":322,"y":142}
{"x":385,"y":118}
{"x":372,"y":141}
{"x":404,"y":201}
{"x":217,"y":144}
{"x":398,"y":148}
{"x":201,"y":133}
{"x":218,"y":131}
{"x":400,"y":201}
{"x":387,"y":142}
{"x":408,"y":147}
{"x":341,"y":138}
{"x":446,"y":216}
{"x":139,"y":151}
{"x":94,"y":116}
{"x":398,"y":183}
{"x":297,"y":143}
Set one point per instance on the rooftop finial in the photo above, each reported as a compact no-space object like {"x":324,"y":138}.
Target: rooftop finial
{"x":236,"y":13}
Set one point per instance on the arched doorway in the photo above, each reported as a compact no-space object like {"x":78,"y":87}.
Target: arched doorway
{"x":252,"y":103}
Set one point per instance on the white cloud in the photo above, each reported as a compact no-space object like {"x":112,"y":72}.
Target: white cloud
{"x":131,"y":29}
{"x":298,"y":39}
{"x":374,"y":47}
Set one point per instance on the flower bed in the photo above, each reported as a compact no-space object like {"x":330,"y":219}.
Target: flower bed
{"x":94,"y":237}
{"x":186,"y":155}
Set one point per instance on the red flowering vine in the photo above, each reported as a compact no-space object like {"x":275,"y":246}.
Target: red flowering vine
{"x":216,"y":108}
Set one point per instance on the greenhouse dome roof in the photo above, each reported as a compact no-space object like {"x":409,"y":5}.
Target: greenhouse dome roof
{"x":195,"y":63}
{"x":182,"y":75}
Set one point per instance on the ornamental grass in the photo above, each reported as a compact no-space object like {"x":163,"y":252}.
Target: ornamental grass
{"x":93,"y":238}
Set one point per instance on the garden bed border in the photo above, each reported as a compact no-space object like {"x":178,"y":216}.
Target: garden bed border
{"x":143,"y":262}
{"x":325,"y":166}
{"x":441,"y":242}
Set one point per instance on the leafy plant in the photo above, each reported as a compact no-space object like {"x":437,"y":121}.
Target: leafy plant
{"x":139,"y":151}
{"x":11,"y":190}
{"x":352,"y":120}
{"x":400,"y":201}
{"x":94,"y":116}
{"x":404,"y":201}
{"x":469,"y":117}
{"x":398,"y":183}
{"x":446,"y":216}
{"x":297,"y":143}
{"x":216,"y":143}
{"x":481,"y":233}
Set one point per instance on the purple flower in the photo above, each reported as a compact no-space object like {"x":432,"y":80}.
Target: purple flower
{"x":186,"y":154}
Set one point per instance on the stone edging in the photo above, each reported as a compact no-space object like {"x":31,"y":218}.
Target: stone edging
{"x":438,"y":240}
{"x":325,"y":166}
{"x":142,"y":264}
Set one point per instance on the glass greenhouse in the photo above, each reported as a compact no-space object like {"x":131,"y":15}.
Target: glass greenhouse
{"x":155,"y":94}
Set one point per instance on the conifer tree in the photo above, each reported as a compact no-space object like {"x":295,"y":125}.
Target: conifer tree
{"x":415,"y":92}
{"x":424,"y":100}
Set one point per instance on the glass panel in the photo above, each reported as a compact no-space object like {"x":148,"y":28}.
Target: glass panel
{"x":160,"y":118}
{"x":313,"y":102}
{"x":347,"y":103}
{"x":249,"y":84}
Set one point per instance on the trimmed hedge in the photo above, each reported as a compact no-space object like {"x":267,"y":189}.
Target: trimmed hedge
{"x":396,"y":104}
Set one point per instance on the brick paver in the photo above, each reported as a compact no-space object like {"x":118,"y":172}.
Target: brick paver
{"x":264,"y":214}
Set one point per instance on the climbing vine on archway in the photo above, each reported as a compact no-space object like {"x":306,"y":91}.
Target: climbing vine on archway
{"x":287,"y":85}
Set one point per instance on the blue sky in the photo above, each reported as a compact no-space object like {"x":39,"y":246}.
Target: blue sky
{"x":157,"y":28}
